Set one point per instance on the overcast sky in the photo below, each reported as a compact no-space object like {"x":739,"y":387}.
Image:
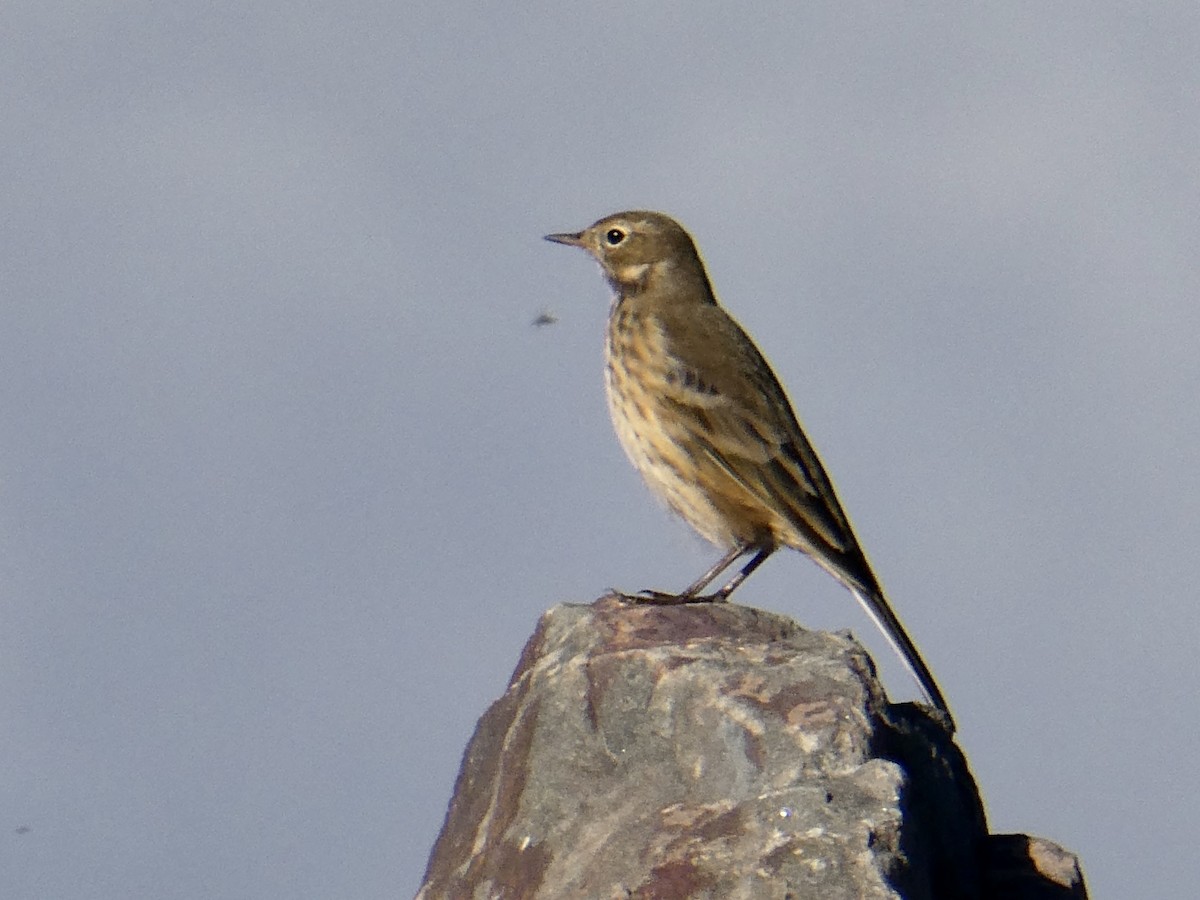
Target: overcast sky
{"x":287,"y":475}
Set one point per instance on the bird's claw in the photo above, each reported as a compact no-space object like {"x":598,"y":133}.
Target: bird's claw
{"x":664,"y":598}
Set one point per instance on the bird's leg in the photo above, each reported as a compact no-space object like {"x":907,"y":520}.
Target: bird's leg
{"x":746,"y":571}
{"x":691,"y":594}
{"x":694,"y":589}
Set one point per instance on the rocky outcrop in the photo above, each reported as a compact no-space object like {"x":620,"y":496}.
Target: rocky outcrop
{"x":717,"y":751}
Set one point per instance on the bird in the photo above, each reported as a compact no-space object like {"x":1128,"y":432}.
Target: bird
{"x":706,"y":422}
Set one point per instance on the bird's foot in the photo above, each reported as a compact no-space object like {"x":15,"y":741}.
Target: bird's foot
{"x":663,"y":598}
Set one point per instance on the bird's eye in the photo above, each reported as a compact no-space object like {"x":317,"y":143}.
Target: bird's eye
{"x":614,"y":236}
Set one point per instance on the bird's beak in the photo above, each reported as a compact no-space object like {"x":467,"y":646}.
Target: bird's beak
{"x":574,"y":240}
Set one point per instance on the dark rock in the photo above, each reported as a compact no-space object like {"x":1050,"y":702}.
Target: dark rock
{"x":711,"y":751}
{"x":1020,"y":867}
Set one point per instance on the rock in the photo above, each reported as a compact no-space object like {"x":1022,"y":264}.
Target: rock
{"x":712,"y":751}
{"x":1020,"y":867}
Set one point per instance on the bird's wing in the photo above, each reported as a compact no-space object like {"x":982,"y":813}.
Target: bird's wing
{"x":733,"y":406}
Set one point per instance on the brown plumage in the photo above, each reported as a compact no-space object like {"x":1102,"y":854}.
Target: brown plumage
{"x":706,"y":422}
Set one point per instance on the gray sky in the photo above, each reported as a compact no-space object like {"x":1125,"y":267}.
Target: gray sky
{"x":287,"y":476}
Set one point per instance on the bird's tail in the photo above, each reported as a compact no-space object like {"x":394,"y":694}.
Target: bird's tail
{"x":886,"y":621}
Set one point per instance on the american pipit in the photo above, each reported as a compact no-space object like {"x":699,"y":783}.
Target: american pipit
{"x":706,"y":422}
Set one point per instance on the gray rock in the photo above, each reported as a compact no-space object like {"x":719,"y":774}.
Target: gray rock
{"x":708,"y":751}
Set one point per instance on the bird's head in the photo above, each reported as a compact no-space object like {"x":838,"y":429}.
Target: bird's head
{"x":634,"y":248}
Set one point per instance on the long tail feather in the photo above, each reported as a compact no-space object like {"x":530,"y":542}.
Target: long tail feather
{"x":886,"y":621}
